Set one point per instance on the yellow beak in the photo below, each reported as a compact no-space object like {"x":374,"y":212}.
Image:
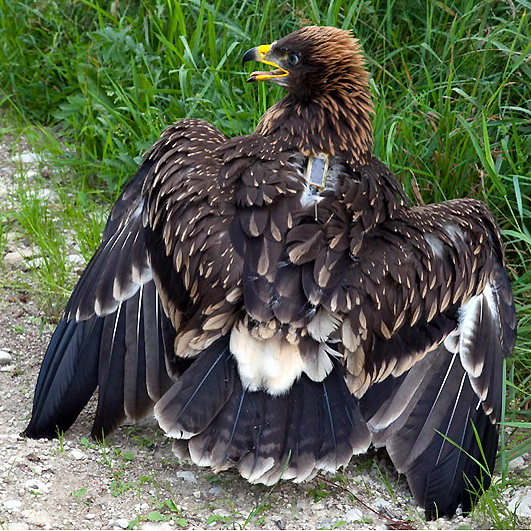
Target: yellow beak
{"x":260,"y":54}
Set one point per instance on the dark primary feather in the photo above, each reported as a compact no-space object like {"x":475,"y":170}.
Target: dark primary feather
{"x":280,"y":327}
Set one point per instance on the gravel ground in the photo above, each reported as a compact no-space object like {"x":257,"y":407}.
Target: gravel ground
{"x":135,"y":479}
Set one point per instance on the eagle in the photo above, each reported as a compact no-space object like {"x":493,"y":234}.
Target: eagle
{"x":279,"y":306}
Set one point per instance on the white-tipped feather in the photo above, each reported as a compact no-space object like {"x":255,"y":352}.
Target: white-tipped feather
{"x":100,"y":310}
{"x":451,"y":342}
{"x":179,"y":434}
{"x":470,"y":317}
{"x":141,"y":276}
{"x":488,"y":295}
{"x":123,"y":292}
{"x":252,"y":468}
{"x":322,"y":325}
{"x":321,"y":367}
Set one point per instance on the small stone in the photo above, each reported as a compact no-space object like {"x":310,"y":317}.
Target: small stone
{"x":28,"y":157}
{"x":44,"y":194}
{"x":36,"y":263}
{"x":77,"y":454}
{"x":90,"y":516}
{"x":17,"y":257}
{"x":521,"y":504}
{"x":18,"y":526}
{"x":155,"y":526}
{"x":12,"y":505}
{"x":519,"y":462}
{"x":122,"y":522}
{"x":187,"y":476}
{"x":353,"y":515}
{"x":281,"y":524}
{"x":75,"y":259}
{"x":302,"y":504}
{"x":215,"y":491}
{"x":36,"y":487}
{"x":381,"y":503}
{"x":5,"y":357}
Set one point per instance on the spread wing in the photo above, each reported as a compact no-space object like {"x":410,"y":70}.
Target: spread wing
{"x":118,"y":329}
{"x":187,"y":219}
{"x":438,"y":418}
{"x":427,"y":316}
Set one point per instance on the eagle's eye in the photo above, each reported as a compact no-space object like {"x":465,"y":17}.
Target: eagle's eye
{"x":294,"y":59}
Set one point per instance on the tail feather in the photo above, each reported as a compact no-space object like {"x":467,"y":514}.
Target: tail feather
{"x":197,"y":397}
{"x":321,"y":430}
{"x":231,"y":434}
{"x":276,"y":427}
{"x":314,"y":426}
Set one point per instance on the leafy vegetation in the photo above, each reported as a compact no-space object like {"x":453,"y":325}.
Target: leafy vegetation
{"x":92,"y":83}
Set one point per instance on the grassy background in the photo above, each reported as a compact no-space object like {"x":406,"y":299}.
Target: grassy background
{"x":92,"y":84}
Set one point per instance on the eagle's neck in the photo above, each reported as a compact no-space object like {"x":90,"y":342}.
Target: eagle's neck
{"x":336,"y":123}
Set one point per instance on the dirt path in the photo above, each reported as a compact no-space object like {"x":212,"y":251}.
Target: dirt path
{"x":135,"y":479}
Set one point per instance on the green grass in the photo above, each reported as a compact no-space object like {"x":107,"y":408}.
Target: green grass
{"x":92,"y":84}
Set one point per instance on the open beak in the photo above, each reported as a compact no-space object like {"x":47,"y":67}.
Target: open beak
{"x":260,"y":54}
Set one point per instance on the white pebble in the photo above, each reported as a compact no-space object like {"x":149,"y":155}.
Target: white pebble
{"x":187,"y":476}
{"x":17,"y":526}
{"x":5,"y":357}
{"x":36,"y":486}
{"x":36,"y":263}
{"x":44,"y":194}
{"x":381,"y":503}
{"x":13,"y":505}
{"x":31,"y":174}
{"x":28,"y":157}
{"x":353,"y":515}
{"x":155,"y":526}
{"x":75,"y":259}
{"x":517,"y":463}
{"x":521,"y":503}
{"x":122,"y":522}
{"x":77,"y":454}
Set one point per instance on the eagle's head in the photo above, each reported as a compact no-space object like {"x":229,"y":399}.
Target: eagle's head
{"x":312,"y":61}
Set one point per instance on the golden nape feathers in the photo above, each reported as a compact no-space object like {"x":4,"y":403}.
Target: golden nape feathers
{"x":279,"y":306}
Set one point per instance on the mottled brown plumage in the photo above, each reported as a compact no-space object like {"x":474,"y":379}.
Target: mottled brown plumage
{"x":280,"y":305}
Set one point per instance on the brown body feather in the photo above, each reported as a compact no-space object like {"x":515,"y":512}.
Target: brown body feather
{"x":277,"y":326}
